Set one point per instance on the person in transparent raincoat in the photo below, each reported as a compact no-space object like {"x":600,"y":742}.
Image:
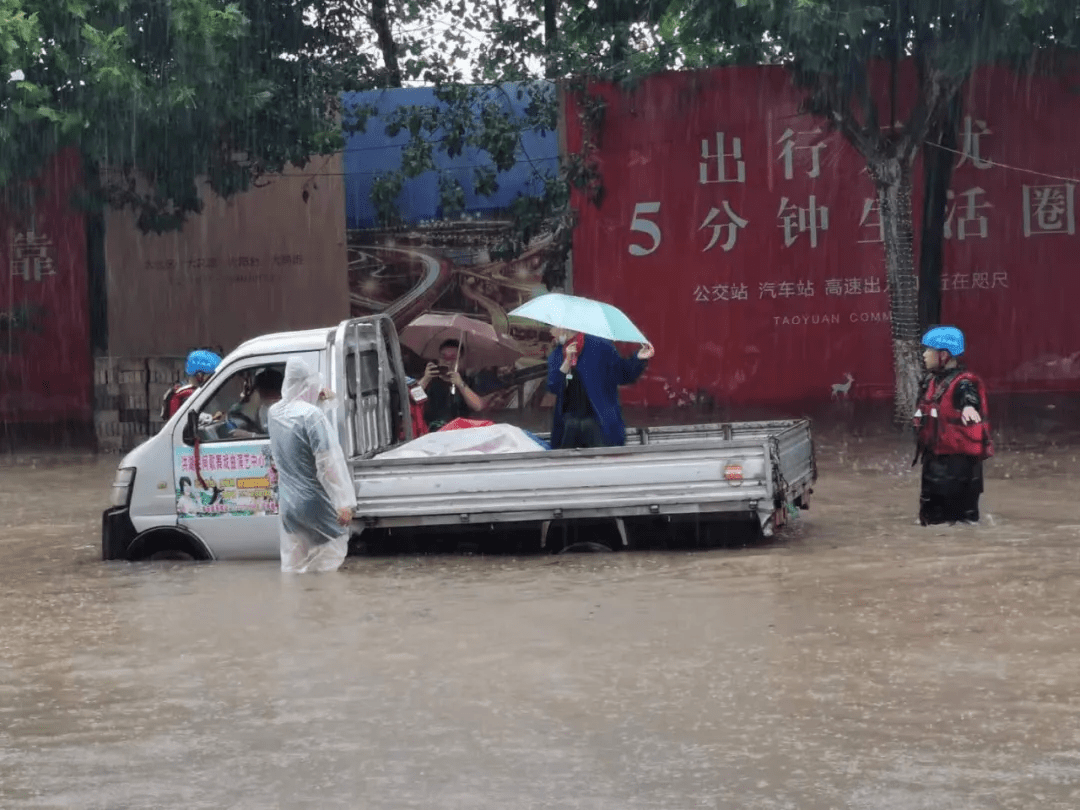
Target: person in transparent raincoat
{"x":316,"y":498}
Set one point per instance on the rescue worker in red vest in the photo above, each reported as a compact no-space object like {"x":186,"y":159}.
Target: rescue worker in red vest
{"x":952,"y":432}
{"x":200,"y":365}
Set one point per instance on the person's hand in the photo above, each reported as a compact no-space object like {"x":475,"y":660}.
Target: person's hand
{"x":431,"y":371}
{"x":344,"y":517}
{"x":569,"y":353}
{"x":646,"y":351}
{"x":970,"y":416}
{"x":455,"y":378}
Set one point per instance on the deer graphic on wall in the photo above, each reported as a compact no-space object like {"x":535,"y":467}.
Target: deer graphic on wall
{"x":841,"y":390}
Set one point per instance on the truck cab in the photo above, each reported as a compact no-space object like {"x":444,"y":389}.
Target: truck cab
{"x":204,"y":487}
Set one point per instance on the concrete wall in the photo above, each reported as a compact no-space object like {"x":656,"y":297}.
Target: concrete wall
{"x":271,"y":259}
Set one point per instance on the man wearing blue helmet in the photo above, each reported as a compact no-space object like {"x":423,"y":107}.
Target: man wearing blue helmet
{"x":952,"y":432}
{"x":200,"y":365}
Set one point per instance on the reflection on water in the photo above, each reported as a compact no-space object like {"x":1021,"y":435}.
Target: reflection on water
{"x":862,"y":662}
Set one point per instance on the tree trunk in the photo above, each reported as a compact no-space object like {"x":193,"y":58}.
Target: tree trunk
{"x":937,"y":175}
{"x":892,"y":177}
{"x":551,"y":32}
{"x":96,"y":266}
{"x":380,"y":21}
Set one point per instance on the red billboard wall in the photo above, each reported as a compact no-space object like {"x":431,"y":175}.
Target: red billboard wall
{"x":746,"y":243}
{"x":45,"y":363}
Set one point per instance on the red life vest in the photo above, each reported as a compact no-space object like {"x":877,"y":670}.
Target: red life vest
{"x":174,"y":398}
{"x":940,"y":426}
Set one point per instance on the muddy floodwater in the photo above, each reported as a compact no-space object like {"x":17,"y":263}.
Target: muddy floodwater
{"x":857,"y":661}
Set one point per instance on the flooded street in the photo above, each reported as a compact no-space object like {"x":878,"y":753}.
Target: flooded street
{"x":859,"y":661}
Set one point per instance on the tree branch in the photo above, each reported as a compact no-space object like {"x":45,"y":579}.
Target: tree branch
{"x":380,"y":22}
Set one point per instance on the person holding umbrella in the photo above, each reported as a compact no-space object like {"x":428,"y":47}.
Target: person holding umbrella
{"x":449,"y":395}
{"x":455,"y":340}
{"x":584,"y":373}
{"x":585,"y":369}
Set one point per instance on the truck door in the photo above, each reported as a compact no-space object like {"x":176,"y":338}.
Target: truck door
{"x":367,"y":372}
{"x":228,"y":498}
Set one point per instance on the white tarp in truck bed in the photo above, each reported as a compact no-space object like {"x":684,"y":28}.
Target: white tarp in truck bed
{"x":486,"y":440}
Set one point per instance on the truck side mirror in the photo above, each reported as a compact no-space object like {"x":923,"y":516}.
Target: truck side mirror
{"x":190,"y":427}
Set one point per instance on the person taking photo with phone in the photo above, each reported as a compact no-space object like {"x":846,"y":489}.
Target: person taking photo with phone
{"x":449,"y":394}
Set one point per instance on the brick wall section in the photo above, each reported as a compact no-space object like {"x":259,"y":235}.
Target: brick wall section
{"x":127,"y":398}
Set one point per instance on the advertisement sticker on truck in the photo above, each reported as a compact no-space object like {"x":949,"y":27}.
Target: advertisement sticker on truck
{"x":239,"y":480}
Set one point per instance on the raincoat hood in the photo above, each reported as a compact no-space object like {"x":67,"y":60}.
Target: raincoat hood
{"x":302,"y":383}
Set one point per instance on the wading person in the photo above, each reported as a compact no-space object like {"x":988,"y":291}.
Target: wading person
{"x":952,"y":432}
{"x":584,"y":373}
{"x":316,"y":497}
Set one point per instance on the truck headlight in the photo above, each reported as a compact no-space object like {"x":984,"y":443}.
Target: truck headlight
{"x":121,"y":487}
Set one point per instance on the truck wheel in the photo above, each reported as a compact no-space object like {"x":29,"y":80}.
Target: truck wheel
{"x":586,"y":548}
{"x":167,"y":544}
{"x":171,"y":554}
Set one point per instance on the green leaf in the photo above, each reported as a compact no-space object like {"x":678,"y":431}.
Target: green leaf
{"x":451,"y":196}
{"x":485,"y":181}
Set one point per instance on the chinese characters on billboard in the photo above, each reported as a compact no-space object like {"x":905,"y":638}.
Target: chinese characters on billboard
{"x":747,"y":242}
{"x":45,"y":363}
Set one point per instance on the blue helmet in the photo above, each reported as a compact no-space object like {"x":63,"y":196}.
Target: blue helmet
{"x":945,"y":338}
{"x":203,"y":361}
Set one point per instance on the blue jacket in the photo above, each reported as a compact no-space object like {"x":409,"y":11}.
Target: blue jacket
{"x":602,"y":371}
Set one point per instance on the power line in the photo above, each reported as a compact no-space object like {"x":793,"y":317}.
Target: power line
{"x":402,"y":145}
{"x":1006,"y":166}
{"x":316,"y":174}
{"x":282,"y":175}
